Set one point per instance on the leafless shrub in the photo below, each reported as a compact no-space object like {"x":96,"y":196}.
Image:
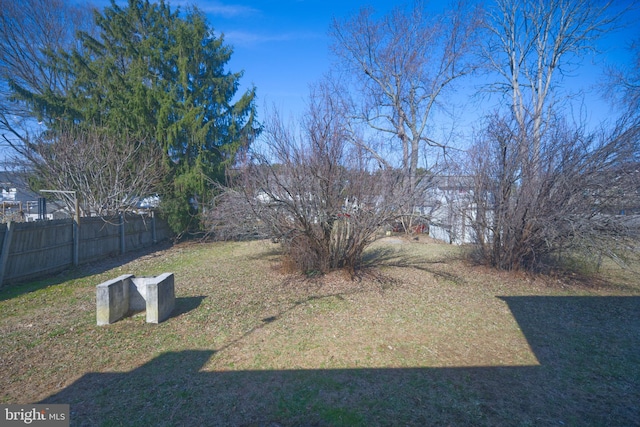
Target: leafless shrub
{"x":568,"y":199}
{"x":316,"y":192}
{"x":231,"y":216}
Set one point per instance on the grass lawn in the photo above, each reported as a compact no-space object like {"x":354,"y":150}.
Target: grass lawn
{"x":419,"y":338}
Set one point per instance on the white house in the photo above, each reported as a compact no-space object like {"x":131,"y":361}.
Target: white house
{"x":17,"y":201}
{"x":450,"y":209}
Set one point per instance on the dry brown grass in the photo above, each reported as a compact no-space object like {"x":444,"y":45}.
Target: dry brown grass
{"x":418,"y":337}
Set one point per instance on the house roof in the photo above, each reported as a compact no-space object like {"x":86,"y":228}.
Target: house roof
{"x":15,"y":180}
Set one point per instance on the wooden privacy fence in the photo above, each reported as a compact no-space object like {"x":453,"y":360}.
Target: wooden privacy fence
{"x":31,"y":250}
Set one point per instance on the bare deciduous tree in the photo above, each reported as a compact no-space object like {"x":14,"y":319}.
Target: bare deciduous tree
{"x":402,"y":65}
{"x":110,"y":173}
{"x":532,"y":45}
{"x":541,"y":184}
{"x":29,"y":31}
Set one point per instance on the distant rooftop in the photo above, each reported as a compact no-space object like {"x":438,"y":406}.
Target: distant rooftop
{"x":14,"y":188}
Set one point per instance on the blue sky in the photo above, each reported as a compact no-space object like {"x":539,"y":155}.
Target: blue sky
{"x":283,"y":47}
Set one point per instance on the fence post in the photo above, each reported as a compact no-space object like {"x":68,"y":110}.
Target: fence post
{"x":4,"y":255}
{"x":154,"y":236}
{"x":122,"y":246}
{"x":75,"y":230}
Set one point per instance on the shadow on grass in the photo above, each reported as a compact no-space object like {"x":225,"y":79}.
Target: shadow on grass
{"x":272,"y":250}
{"x":186,"y":304}
{"x":10,"y":290}
{"x":183,"y":305}
{"x":390,"y":257}
{"x":589,"y":375}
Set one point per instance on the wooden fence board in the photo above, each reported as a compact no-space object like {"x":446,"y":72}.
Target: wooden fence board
{"x":39,"y":248}
{"x":46,"y":247}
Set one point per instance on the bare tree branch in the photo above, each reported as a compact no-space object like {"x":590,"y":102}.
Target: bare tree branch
{"x":318,"y":194}
{"x":402,"y":65}
{"x":110,"y":173}
{"x":29,"y":31}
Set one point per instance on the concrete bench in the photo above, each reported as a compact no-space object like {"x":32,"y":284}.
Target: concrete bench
{"x":128,"y":294}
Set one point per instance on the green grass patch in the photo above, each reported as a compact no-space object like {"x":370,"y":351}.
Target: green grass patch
{"x":418,"y":337}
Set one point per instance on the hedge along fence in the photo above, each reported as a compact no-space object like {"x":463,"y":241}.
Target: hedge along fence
{"x":32,"y":250}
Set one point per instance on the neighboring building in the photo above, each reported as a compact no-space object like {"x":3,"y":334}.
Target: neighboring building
{"x":17,"y":201}
{"x":451,"y":210}
{"x":449,"y":207}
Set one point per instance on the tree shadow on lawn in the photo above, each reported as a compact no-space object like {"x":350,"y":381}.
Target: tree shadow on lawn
{"x":589,"y":375}
{"x":404,"y":256}
{"x":391,"y":257}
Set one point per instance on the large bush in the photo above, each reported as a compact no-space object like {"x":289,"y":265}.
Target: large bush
{"x":314,"y":191}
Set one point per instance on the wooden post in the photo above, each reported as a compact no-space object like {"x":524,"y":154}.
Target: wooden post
{"x":75,"y":228}
{"x":4,"y":255}
{"x":76,"y":233}
{"x":154,"y":236}
{"x":122,"y":244}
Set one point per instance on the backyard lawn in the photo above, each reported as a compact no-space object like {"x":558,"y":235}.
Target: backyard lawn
{"x":419,"y":337}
